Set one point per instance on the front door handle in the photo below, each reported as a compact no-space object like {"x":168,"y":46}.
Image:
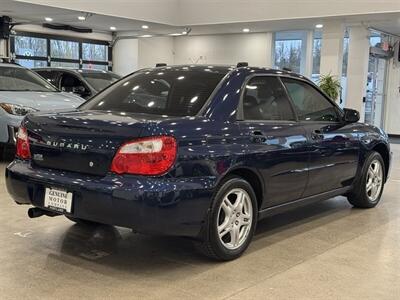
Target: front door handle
{"x":317,"y":135}
{"x":257,"y":137}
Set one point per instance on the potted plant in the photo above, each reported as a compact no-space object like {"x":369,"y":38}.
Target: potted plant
{"x":330,"y":85}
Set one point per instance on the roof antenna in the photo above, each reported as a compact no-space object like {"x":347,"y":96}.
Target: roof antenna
{"x":242,"y":64}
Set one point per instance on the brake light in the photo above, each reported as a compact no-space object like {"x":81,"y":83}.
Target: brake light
{"x":23,"y":149}
{"x":145,"y":156}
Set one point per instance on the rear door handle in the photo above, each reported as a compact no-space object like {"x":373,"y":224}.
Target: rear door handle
{"x":317,"y":135}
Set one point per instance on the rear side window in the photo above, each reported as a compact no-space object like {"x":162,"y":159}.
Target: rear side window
{"x":265,"y":99}
{"x":310,"y":104}
{"x":175,"y":92}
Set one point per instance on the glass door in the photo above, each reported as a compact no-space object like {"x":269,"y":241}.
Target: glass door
{"x":375,"y":97}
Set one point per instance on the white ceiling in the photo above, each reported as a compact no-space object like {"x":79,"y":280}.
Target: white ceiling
{"x":152,"y":9}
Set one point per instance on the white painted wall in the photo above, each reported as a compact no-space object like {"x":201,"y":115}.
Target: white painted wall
{"x":224,"y":49}
{"x":125,"y":56}
{"x":155,"y":50}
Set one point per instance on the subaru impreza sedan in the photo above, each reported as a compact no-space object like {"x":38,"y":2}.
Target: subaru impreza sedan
{"x":23,"y":91}
{"x":197,"y":151}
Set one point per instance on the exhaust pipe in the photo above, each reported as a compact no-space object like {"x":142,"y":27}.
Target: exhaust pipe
{"x":36,"y":212}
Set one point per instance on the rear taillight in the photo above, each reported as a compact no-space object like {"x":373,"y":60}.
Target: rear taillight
{"x":23,"y":150}
{"x":145,"y":156}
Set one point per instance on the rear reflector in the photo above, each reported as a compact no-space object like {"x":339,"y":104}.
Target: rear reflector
{"x":145,"y":156}
{"x":23,"y":149}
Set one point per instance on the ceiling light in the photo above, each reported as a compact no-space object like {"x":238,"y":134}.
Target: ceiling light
{"x":319,"y":26}
{"x":145,"y":27}
{"x":81,"y":18}
{"x":246,"y":30}
{"x":184,"y":32}
{"x":113,"y":28}
{"x":47,"y":19}
{"x":146,"y":36}
{"x":175,"y":34}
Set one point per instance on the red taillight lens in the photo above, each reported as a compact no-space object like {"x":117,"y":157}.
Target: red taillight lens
{"x":145,"y":156}
{"x":23,"y":150}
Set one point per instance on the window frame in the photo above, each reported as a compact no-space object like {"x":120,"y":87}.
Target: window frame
{"x":50,"y":59}
{"x":337,"y":109}
{"x":240,"y":112}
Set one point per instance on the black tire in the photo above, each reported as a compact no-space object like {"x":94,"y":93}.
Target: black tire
{"x":83,"y":222}
{"x":211,"y":244}
{"x":358,"y":197}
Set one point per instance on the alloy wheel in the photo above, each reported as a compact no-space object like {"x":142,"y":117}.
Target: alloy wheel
{"x":374,"y":181}
{"x":235,"y":216}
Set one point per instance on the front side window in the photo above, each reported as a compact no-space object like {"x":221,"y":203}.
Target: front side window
{"x":20,"y":79}
{"x":309,"y":103}
{"x":265,"y":99}
{"x":176,"y":92}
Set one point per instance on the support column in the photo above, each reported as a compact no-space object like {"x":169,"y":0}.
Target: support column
{"x":269,"y":41}
{"x":3,"y":48}
{"x":332,"y":49}
{"x":357,"y":68}
{"x":308,"y":43}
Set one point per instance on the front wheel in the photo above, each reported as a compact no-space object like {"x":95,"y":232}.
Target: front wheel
{"x":368,"y":188}
{"x":230,"y":226}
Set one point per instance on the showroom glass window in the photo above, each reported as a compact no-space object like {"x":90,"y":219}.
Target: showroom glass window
{"x":288,"y":49}
{"x":309,"y":103}
{"x":40,"y":50}
{"x":265,"y":99}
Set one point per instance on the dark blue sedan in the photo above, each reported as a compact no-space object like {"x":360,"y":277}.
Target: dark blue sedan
{"x":197,"y":151}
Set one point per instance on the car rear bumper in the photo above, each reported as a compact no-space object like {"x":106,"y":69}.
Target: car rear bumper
{"x":149,"y":205}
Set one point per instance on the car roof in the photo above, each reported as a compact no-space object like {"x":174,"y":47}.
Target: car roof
{"x":229,"y":68}
{"x":71,"y":70}
{"x":10,"y":65}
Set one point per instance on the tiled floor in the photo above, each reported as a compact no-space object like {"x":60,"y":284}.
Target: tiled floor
{"x":325,"y":251}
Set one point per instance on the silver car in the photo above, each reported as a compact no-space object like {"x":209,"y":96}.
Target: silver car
{"x":23,"y":91}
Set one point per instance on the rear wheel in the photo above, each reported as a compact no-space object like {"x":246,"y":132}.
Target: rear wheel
{"x":367,"y":190}
{"x":230,"y":226}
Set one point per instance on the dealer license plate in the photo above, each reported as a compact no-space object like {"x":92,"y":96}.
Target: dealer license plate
{"x":58,"y":200}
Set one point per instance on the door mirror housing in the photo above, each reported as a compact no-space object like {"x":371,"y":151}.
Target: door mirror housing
{"x":351,"y":115}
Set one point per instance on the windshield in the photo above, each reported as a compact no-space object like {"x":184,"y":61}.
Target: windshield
{"x":174,"y":92}
{"x":20,"y":79}
{"x":100,"y":81}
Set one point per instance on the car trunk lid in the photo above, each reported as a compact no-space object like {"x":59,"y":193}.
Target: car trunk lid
{"x":77,"y":141}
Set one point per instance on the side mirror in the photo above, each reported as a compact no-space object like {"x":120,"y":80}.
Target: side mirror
{"x":351,"y":115}
{"x":80,"y":90}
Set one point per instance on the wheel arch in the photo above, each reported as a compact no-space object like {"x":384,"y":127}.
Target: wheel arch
{"x":383,"y":150}
{"x":253,"y":178}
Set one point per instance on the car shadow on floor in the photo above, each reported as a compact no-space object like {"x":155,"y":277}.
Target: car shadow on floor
{"x":121,"y":249}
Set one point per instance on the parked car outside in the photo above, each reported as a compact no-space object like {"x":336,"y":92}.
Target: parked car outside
{"x":83,"y":82}
{"x":197,"y":151}
{"x":23,"y":91}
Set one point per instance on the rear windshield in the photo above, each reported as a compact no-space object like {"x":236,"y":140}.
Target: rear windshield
{"x":172,"y":92}
{"x":23,"y":80}
{"x":100,"y":80}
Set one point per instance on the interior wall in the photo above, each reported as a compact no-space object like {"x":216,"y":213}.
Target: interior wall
{"x":155,"y":50}
{"x":125,"y":56}
{"x":254,"y":48}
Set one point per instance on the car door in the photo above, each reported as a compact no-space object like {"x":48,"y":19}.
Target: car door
{"x":277,"y":146}
{"x":333,"y":145}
